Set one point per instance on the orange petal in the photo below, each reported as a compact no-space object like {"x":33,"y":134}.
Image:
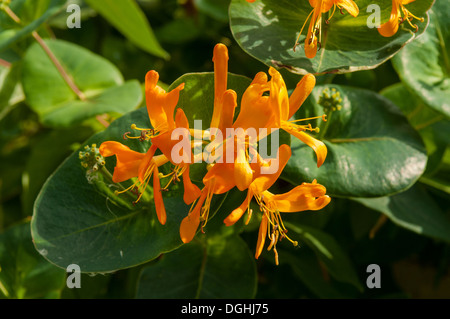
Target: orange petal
{"x":160,"y":104}
{"x":243,"y":174}
{"x":301,"y":93}
{"x":190,"y":223}
{"x":238,"y":212}
{"x":220,"y":59}
{"x":263,"y":181}
{"x":255,"y":110}
{"x":128,"y":161}
{"x":146,"y":162}
{"x":220,"y":173}
{"x":326,"y":5}
{"x":157,"y":196}
{"x":191,"y":191}
{"x":389,"y":28}
{"x":311,"y":48}
{"x":261,"y":236}
{"x":311,"y":39}
{"x":318,"y":146}
{"x":229,"y":103}
{"x":307,"y":196}
{"x":279,"y":95}
{"x":348,"y":5}
{"x":181,"y":119}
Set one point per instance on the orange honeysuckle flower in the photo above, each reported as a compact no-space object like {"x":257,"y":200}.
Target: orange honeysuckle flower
{"x":389,"y":28}
{"x":285,"y":107}
{"x":308,"y":196}
{"x":314,"y":36}
{"x":160,"y":107}
{"x":225,"y":102}
{"x":217,"y":181}
{"x":134,"y":164}
{"x":275,"y":110}
{"x":258,"y":111}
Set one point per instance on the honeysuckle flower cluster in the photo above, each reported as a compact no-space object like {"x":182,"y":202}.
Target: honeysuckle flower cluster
{"x":231,"y":156}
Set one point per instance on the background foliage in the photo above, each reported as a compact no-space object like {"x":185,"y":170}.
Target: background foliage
{"x":388,"y":167}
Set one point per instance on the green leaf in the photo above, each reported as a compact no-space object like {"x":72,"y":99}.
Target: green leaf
{"x":424,"y":65}
{"x":32,"y":15}
{"x":217,"y":9}
{"x":23,"y":272}
{"x":372,"y":149}
{"x":307,"y":269}
{"x":414,"y":210}
{"x":216,"y":268}
{"x":10,"y":89}
{"x":130,"y":20}
{"x":432,"y":126}
{"x":87,"y":224}
{"x":43,"y":160}
{"x":267,"y":30}
{"x":328,"y":251}
{"x":98,"y":79}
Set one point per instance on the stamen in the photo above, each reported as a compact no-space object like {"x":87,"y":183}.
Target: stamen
{"x":301,"y":30}
{"x":328,"y":20}
{"x":310,"y":118}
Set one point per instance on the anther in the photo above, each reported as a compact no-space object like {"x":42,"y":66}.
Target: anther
{"x":125,"y":135}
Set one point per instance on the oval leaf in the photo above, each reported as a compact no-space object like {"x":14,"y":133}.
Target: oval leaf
{"x":424,"y":65}
{"x":130,"y":20}
{"x":87,"y":224}
{"x":24,"y":273}
{"x":32,"y":15}
{"x":415,"y":210}
{"x":98,"y":79}
{"x":267,"y":30}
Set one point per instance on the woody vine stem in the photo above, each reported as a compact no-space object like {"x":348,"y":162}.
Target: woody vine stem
{"x":50,"y":54}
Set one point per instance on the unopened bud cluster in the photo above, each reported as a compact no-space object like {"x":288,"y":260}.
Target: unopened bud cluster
{"x":330,"y":99}
{"x":91,"y":158}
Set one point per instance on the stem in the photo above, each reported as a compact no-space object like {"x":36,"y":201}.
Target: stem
{"x":5,"y":63}
{"x":380,"y":222}
{"x":50,"y":54}
{"x":59,"y":67}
